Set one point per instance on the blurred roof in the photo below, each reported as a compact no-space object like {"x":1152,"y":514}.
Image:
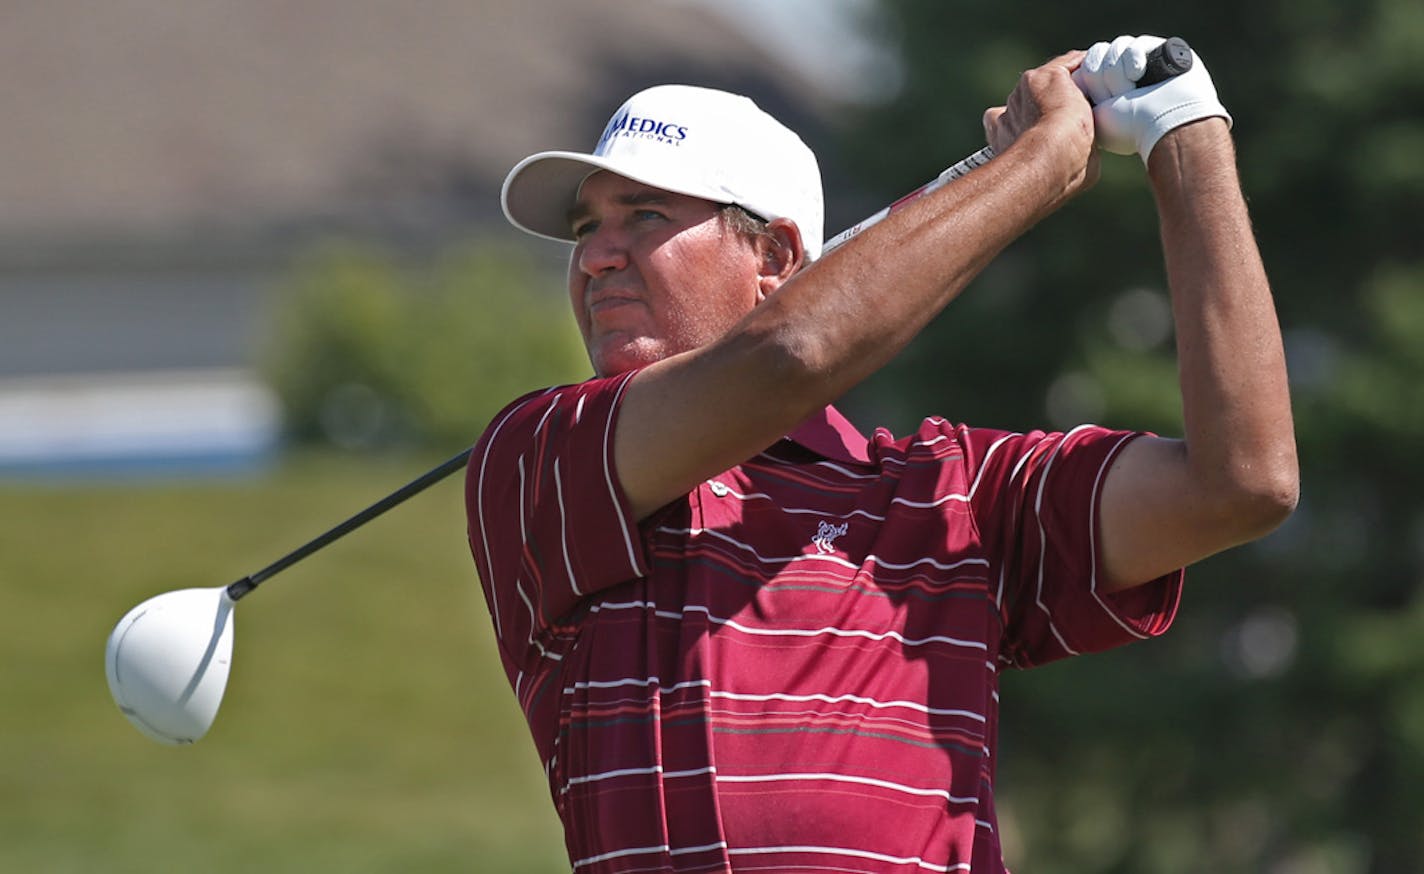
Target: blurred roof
{"x":162,"y":157}
{"x":143,"y":115}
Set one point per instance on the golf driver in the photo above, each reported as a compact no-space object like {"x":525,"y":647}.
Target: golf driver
{"x":168,"y":659}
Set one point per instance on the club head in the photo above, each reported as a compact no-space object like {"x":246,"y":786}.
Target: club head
{"x":167,"y":662}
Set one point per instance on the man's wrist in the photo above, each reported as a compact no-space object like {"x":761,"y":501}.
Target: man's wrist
{"x":1191,"y":149}
{"x":1060,"y":149}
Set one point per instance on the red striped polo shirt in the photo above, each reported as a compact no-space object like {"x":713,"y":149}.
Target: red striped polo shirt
{"x":796,"y":666}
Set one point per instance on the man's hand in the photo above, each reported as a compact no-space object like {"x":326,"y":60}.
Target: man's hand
{"x":1131,"y":119}
{"x":1046,"y":99}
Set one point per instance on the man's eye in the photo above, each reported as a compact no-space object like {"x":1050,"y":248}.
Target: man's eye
{"x":582,"y":229}
{"x":648,"y":215}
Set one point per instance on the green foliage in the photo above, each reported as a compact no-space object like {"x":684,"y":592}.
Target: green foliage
{"x":1279,"y":727}
{"x":369,"y":352}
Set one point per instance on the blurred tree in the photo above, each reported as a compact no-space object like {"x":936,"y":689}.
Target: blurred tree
{"x":368,"y":353}
{"x":1280,"y":726}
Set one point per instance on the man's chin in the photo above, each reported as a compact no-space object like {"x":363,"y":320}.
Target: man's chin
{"x":626,"y":357}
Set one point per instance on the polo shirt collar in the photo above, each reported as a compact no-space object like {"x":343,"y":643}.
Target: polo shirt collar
{"x":832,"y":435}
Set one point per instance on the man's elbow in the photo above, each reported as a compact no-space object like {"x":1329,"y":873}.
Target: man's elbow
{"x":1260,"y":499}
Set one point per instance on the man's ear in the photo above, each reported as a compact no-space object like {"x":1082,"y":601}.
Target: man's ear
{"x":781,"y":253}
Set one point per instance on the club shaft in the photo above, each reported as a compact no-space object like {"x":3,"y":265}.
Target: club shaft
{"x":1172,"y":58}
{"x":974,"y":161}
{"x":245,"y":585}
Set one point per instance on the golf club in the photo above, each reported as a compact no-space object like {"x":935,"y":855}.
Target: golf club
{"x":168,"y":659}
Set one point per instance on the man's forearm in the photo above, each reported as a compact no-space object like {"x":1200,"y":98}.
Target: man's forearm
{"x":865,"y":302}
{"x":1236,"y":404}
{"x":824,"y":330}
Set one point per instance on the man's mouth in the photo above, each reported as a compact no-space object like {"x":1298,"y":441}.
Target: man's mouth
{"x":607,"y":300}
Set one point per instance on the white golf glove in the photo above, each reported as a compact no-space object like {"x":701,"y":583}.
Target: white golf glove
{"x":1130,"y":119}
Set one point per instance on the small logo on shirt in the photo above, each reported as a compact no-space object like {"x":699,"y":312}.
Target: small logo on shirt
{"x":826,"y":535}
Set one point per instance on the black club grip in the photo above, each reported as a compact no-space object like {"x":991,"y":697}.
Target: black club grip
{"x":1171,"y":58}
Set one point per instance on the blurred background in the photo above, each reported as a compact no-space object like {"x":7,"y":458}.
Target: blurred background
{"x":253,"y":276}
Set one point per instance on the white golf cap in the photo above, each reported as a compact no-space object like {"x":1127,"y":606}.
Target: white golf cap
{"x":696,"y":141}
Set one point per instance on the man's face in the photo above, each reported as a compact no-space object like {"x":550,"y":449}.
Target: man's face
{"x":654,"y":273}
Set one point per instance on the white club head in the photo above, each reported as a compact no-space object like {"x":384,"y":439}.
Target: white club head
{"x":168,"y":661}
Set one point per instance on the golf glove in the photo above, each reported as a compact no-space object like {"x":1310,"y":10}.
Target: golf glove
{"x":1130,"y":119}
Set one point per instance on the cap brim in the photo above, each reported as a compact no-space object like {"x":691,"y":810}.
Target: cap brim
{"x":539,"y":192}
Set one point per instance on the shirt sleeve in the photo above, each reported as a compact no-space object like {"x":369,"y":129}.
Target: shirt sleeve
{"x":548,"y":521}
{"x":1035,"y":499}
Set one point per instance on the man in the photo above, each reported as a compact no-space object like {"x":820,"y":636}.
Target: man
{"x":748,"y":638}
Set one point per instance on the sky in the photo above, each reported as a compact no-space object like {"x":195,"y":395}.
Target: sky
{"x":823,"y":38}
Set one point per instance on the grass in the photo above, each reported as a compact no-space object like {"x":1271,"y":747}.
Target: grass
{"x":367,"y":725}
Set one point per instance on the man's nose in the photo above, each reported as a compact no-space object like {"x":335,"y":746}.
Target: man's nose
{"x":601,"y":251}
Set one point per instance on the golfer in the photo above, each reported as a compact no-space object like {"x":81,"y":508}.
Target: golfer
{"x":746,"y":636}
